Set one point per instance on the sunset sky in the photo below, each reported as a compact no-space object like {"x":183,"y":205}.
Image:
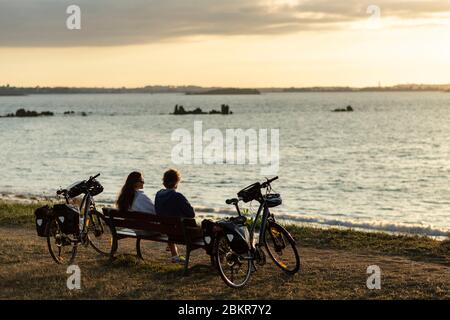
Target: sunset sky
{"x":251,"y":43}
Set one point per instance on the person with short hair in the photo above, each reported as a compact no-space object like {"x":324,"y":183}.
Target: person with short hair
{"x":170,"y":203}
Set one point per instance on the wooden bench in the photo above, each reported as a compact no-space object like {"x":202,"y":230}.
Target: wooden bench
{"x":144,"y":226}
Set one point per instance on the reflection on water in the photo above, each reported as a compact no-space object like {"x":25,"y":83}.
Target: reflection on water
{"x":385,"y":166}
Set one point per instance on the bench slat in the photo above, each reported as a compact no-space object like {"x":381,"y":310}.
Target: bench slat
{"x":138,"y":233}
{"x":140,"y":216}
{"x":147,"y":226}
{"x":145,"y":235}
{"x":152,"y":227}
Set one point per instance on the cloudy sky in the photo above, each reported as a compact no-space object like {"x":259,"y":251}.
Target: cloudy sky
{"x":251,"y":43}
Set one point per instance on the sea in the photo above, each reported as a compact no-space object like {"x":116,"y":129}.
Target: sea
{"x":384,"y":167}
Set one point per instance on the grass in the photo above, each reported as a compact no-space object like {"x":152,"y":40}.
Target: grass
{"x":418,"y":248}
{"x":18,"y":214}
{"x":334,"y":264}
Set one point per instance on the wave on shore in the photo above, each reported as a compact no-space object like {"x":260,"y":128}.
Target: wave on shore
{"x":367,"y":226}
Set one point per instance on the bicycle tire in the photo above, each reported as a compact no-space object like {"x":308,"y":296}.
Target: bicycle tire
{"x":55,"y":238}
{"x":275,"y":235}
{"x":99,"y":234}
{"x":220,"y":248}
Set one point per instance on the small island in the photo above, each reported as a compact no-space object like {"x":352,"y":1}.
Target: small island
{"x":72,"y":113}
{"x":225,"y":91}
{"x":12,"y":94}
{"x":348,"y":109}
{"x":22,"y":113}
{"x":179,"y":110}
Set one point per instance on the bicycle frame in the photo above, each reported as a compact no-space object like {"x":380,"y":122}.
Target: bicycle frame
{"x":86,"y":203}
{"x":264,"y":209}
{"x":265,"y":215}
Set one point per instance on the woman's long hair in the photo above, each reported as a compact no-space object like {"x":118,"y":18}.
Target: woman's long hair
{"x":126,"y":197}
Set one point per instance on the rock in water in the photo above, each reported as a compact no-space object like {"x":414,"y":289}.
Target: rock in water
{"x":348,"y":109}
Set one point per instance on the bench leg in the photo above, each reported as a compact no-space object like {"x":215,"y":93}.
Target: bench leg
{"x":213,"y":262}
{"x":114,"y":247}
{"x":138,"y":249}
{"x":186,"y":263}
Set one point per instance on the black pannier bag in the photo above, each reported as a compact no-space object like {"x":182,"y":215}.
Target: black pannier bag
{"x":250,"y":193}
{"x":68,"y":218}
{"x":237,"y":235}
{"x":209,"y":235}
{"x":42,"y":216}
{"x":76,"y":189}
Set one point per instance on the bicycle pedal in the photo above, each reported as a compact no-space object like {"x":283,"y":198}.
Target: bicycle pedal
{"x":260,"y":256}
{"x":66,"y":242}
{"x":97,"y":233}
{"x":84,"y":240}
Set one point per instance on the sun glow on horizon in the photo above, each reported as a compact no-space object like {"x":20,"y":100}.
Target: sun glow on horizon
{"x":359,"y":52}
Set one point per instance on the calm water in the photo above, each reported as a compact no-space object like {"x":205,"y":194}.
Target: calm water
{"x":384,"y":167}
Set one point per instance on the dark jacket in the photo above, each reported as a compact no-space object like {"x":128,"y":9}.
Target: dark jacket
{"x":170,"y":203}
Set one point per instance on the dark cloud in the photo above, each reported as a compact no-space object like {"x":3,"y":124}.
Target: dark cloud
{"x":119,"y":22}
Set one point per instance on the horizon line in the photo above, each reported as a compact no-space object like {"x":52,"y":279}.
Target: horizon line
{"x":226,"y":87}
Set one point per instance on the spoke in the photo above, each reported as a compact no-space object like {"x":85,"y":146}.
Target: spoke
{"x":240,"y":270}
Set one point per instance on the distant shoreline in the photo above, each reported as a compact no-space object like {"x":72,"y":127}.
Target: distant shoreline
{"x":197,"y":90}
{"x":227,"y":92}
{"x":194,"y":95}
{"x":12,"y":94}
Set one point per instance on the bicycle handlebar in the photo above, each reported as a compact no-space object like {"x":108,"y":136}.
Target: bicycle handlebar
{"x":87,"y":183}
{"x":268,"y":182}
{"x":60,"y":192}
{"x":94,"y":177}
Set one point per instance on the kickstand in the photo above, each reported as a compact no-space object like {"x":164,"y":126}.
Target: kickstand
{"x":253,"y":267}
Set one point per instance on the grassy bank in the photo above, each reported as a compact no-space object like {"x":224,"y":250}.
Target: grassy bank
{"x":14,"y":214}
{"x":334,"y":264}
{"x":418,"y":248}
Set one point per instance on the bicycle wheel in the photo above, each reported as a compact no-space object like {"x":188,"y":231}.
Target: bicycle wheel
{"x":62,"y":248}
{"x":281,"y":248}
{"x":234,"y":269}
{"x":99,"y":233}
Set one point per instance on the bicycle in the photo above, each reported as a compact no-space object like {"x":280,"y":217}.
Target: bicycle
{"x":91,"y":228}
{"x":235,"y":268}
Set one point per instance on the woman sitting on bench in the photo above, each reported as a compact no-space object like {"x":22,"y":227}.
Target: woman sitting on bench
{"x":170,"y":203}
{"x":132,"y":198}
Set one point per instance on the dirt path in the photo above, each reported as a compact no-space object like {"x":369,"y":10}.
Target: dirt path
{"x":27,"y":272}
